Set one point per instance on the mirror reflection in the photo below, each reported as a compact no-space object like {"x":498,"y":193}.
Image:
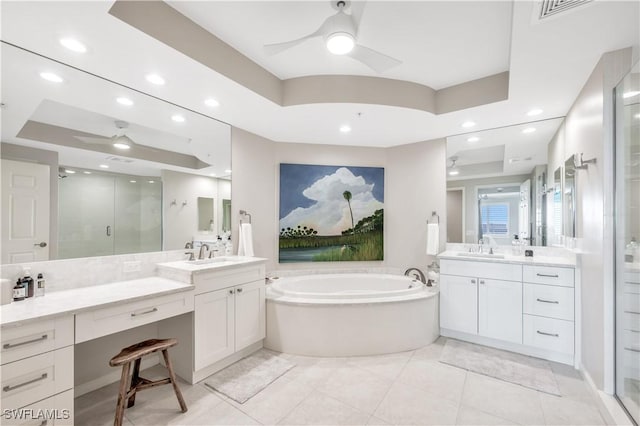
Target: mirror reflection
{"x":497,"y":185}
{"x":93,"y":168}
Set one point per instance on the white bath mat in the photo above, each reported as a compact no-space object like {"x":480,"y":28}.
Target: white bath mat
{"x":245,"y":378}
{"x":522,"y":370}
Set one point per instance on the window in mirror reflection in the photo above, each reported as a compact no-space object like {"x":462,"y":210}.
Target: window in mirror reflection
{"x":205,"y":214}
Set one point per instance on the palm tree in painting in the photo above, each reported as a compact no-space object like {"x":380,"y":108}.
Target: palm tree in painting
{"x":347,"y":196}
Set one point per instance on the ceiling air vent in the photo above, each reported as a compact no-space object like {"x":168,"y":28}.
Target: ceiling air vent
{"x":553,"y":7}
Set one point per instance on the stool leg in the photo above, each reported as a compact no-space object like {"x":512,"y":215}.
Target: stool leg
{"x":176,"y":389}
{"x":122,"y":394}
{"x":135,"y":379}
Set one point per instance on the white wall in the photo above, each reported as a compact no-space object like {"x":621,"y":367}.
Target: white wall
{"x":181,"y":222}
{"x":414,"y":186}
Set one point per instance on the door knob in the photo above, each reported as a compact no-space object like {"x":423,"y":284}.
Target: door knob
{"x":42,"y":244}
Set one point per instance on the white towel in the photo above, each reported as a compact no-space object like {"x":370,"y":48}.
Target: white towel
{"x":433,"y":238}
{"x":245,"y":240}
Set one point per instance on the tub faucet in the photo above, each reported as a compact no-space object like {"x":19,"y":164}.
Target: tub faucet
{"x":202,"y":248}
{"x":417,"y":273}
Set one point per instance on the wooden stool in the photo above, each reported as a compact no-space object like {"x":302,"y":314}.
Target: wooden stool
{"x":134,"y":353}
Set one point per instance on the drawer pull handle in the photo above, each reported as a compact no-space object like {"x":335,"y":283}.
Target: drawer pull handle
{"x":15,"y":345}
{"x":37,"y":379}
{"x":547,"y":275}
{"x":632,"y":349}
{"x":230,"y":291}
{"x":548,"y":301}
{"x":631,"y":312}
{"x":239,"y":290}
{"x":473,"y":281}
{"x":548,"y":334}
{"x":150,"y":311}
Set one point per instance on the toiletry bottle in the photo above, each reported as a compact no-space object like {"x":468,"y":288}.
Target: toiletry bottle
{"x":19,"y":292}
{"x":40,"y":286}
{"x":28,"y":282}
{"x":515,"y":245}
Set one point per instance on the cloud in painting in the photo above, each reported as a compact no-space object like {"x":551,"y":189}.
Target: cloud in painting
{"x":330,"y":213}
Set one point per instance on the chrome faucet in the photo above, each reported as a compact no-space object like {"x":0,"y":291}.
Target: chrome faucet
{"x":417,"y":273}
{"x":191,"y":256}
{"x":202,"y":248}
{"x":188,"y":245}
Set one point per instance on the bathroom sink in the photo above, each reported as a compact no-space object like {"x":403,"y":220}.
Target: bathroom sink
{"x":483,"y":255}
{"x":221,"y":259}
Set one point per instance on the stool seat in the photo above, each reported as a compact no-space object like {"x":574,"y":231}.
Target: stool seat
{"x":133,"y":354}
{"x":141,"y":349}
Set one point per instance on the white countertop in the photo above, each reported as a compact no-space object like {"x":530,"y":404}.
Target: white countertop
{"x":509,"y":258}
{"x":81,"y":299}
{"x":211,"y":264}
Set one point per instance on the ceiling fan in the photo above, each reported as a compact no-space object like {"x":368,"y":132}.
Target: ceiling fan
{"x":120,"y":140}
{"x":339,"y":32}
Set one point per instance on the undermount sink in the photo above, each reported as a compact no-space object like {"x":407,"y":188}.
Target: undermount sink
{"x":484,"y":255}
{"x":228,"y":259}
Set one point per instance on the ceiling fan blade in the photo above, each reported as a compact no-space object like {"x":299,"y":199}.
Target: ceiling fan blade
{"x":377,"y":61}
{"x":275,"y":48}
{"x":357,"y":9}
{"x":94,"y":141}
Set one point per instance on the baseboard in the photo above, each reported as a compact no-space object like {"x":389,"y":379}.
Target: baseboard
{"x":112,"y":377}
{"x":608,"y":405}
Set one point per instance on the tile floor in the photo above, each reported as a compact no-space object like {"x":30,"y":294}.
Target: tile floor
{"x":408,"y":388}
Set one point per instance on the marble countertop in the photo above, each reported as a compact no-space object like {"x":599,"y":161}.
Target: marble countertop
{"x":509,"y":258}
{"x":67,"y":302}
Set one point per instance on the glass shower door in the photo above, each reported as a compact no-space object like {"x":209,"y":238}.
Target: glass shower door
{"x":627,"y":249}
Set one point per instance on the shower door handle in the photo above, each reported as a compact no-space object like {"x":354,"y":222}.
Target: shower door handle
{"x":108,"y":230}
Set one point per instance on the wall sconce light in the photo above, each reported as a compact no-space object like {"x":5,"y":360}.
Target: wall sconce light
{"x":579,"y":163}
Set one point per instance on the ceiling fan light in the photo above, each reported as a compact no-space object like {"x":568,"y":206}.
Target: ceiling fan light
{"x":340,"y":43}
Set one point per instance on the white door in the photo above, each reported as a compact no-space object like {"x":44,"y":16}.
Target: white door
{"x":250,"y":314}
{"x":459,"y":303}
{"x":523,"y":214}
{"x":213,"y":327}
{"x":25,"y":212}
{"x":500,"y":309}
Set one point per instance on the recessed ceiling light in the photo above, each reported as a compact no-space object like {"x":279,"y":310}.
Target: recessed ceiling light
{"x":212,"y":103}
{"x":228,"y":171}
{"x":124,"y":101}
{"x":155,"y":79}
{"x":473,"y":139}
{"x":121,"y":145}
{"x":340,"y":43}
{"x":631,"y":94}
{"x":468,"y":124}
{"x":49,"y":76}
{"x":637,"y":116}
{"x":177,"y":118}
{"x":151,"y":181}
{"x":212,"y":174}
{"x":132,"y":181}
{"x":345,"y":128}
{"x":535,"y":111}
{"x":86,"y":172}
{"x":454,"y":172}
{"x":69,"y":171}
{"x":529,"y":130}
{"x":73,"y":44}
{"x":103,"y":166}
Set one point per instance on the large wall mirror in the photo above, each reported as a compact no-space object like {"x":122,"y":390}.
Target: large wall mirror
{"x":90,"y":167}
{"x":498,"y":185}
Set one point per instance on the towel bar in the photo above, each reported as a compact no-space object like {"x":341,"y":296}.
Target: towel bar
{"x":244,"y":213}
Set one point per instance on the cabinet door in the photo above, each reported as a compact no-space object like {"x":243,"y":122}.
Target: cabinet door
{"x":459,"y":303}
{"x":213,"y":327}
{"x":250,"y":313}
{"x":500,"y":309}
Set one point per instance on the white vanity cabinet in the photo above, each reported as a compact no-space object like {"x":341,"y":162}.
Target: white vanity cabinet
{"x":520,"y":307}
{"x":37,"y":370}
{"x":481,"y":298}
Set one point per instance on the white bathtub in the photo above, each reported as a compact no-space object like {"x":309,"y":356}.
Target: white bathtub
{"x":350,"y":314}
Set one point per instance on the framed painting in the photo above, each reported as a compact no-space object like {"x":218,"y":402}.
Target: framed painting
{"x":331,"y":213}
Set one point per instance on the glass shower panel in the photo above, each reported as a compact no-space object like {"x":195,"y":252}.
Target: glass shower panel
{"x":627,"y":250}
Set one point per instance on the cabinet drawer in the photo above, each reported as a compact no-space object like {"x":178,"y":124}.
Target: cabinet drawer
{"x":548,"y":301}
{"x":550,"y":275}
{"x":36,"y":378}
{"x":491,"y":270}
{"x":547,"y":333}
{"x":56,"y":410}
{"x":100,"y":322}
{"x":631,"y":320}
{"x":22,"y":341}
{"x":217,"y":280}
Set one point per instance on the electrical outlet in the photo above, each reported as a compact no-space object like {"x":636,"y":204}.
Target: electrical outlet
{"x":132,"y":266}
